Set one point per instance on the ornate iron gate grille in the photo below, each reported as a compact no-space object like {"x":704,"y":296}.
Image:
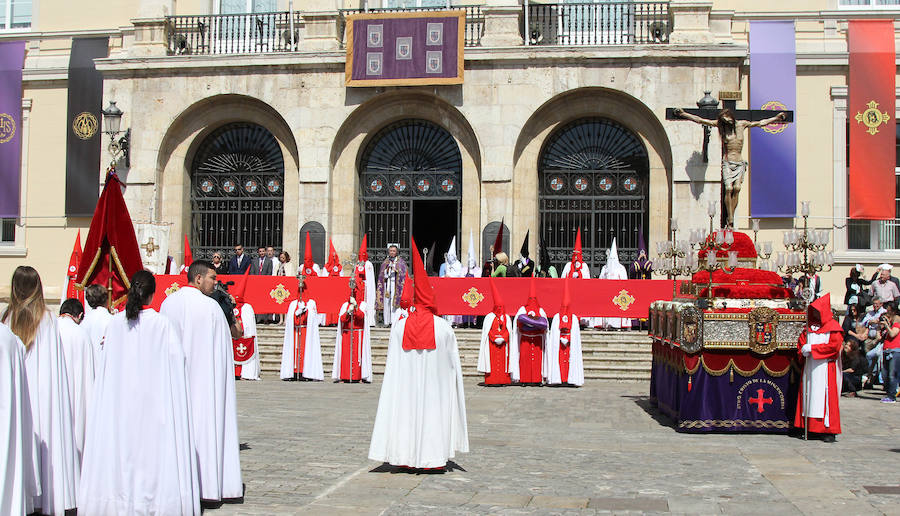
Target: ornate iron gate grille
{"x":406,"y":161}
{"x":237,"y":190}
{"x":593,"y":175}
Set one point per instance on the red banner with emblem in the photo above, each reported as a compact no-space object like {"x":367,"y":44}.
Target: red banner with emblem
{"x":870,"y":110}
{"x":457,"y":296}
{"x":243,"y":349}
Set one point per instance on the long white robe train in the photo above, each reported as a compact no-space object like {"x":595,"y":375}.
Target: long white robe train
{"x":206,"y":340}
{"x":551,"y":357}
{"x":312,"y":352}
{"x":250,"y":370}
{"x":371,"y":280}
{"x":421,"y":418}
{"x":512,"y":348}
{"x":139,"y":455}
{"x":365,"y":361}
{"x":51,"y":412}
{"x":18,"y":480}
{"x":79,"y":355}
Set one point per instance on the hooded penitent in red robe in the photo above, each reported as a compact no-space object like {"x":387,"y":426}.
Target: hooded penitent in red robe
{"x":495,"y":359}
{"x":531,"y":336}
{"x":819,"y":349}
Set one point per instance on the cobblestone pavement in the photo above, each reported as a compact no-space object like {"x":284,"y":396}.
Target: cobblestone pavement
{"x":598,"y":449}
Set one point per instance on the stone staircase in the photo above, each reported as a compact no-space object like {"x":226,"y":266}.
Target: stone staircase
{"x":608,"y":355}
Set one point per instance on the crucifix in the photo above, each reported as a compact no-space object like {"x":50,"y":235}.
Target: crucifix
{"x":731,"y":124}
{"x":150,"y":246}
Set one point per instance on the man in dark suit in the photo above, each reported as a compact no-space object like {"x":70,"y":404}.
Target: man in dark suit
{"x":262,"y":265}
{"x":240,"y":262}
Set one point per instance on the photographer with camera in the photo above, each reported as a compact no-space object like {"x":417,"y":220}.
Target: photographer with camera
{"x":890,"y":330}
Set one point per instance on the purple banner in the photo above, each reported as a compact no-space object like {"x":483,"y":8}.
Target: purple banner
{"x":12,"y":57}
{"x":405,"y":48}
{"x":773,"y":149}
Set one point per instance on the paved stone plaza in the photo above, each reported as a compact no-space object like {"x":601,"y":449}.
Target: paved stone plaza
{"x":598,"y":449}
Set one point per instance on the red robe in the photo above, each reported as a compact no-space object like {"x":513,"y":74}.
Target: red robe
{"x":237,"y":317}
{"x":531,"y":349}
{"x":299,"y":342}
{"x":348,"y":362}
{"x":830,"y":351}
{"x":565,"y":332}
{"x":499,"y":374}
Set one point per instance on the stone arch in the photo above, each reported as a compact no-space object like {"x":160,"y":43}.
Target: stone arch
{"x":184,"y":136}
{"x":363,"y":124}
{"x":585,"y":102}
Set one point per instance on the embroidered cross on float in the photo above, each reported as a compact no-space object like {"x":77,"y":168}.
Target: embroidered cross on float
{"x":759,"y":401}
{"x":242,"y":348}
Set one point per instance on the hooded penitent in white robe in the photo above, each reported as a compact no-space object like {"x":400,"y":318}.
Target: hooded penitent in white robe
{"x":94,"y":323}
{"x":421,"y":418}
{"x":365,"y":356}
{"x":312,"y":351}
{"x":79,"y":355}
{"x":371,"y":280}
{"x":206,"y":340}
{"x":18,"y":480}
{"x":551,"y":357}
{"x":615,"y":271}
{"x":51,"y":413}
{"x":512,"y":351}
{"x":250,"y":369}
{"x":139,"y":455}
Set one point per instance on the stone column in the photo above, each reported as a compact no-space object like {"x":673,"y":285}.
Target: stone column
{"x":690,"y":22}
{"x":150,"y":37}
{"x":502,"y":25}
{"x":321,"y":32}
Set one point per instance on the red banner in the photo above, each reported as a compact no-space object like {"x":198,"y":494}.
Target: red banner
{"x":871,"y":114}
{"x":456,"y":296}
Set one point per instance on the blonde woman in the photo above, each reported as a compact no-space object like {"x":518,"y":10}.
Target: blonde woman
{"x":48,"y":389}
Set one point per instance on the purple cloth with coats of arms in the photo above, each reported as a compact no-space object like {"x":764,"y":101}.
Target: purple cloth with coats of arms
{"x":394,"y":63}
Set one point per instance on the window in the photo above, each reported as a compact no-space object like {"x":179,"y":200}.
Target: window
{"x":873,"y":4}
{"x":876,"y":234}
{"x":15,"y":14}
{"x":7,"y":231}
{"x":246,"y":6}
{"x":408,"y":4}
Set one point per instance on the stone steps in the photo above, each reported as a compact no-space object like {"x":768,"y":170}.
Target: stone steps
{"x":607,"y":355}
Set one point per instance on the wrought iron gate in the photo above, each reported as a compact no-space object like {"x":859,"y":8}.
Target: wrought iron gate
{"x":237,"y":190}
{"x":594,"y":174}
{"x":407,"y":161}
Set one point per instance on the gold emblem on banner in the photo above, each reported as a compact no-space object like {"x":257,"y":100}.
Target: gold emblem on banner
{"x":7,"y":127}
{"x":150,"y":246}
{"x":872,"y":117}
{"x":172,"y":288}
{"x":778,"y":127}
{"x":623,"y":300}
{"x":280,"y":294}
{"x":85,"y":125}
{"x":473,"y":297}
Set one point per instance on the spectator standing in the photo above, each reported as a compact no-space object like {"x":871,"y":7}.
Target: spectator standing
{"x":240,"y":262}
{"x":884,"y":287}
{"x":855,"y":286}
{"x":218,"y":265}
{"x":261,"y":265}
{"x":890,"y":324}
{"x":873,"y":337}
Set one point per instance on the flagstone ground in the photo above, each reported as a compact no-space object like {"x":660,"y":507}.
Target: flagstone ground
{"x":598,"y":449}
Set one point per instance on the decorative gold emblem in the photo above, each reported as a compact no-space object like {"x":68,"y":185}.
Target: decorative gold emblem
{"x":763,"y":324}
{"x":150,"y":246}
{"x":690,"y":337}
{"x":172,"y":288}
{"x":872,"y":117}
{"x":473,"y":297}
{"x":85,"y":125}
{"x":777,"y":127}
{"x":623,"y":300}
{"x":7,"y":127}
{"x":280,"y":294}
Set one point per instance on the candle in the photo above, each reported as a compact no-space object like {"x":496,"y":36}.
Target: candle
{"x":823,"y":237}
{"x":804,"y":208}
{"x":711,"y":259}
{"x":767,"y":247}
{"x":674,"y":224}
{"x":720,"y":237}
{"x":732,"y":259}
{"x":780,"y":259}
{"x":755,"y":224}
{"x":711,"y":209}
{"x":729,"y":237}
{"x":829,"y":258}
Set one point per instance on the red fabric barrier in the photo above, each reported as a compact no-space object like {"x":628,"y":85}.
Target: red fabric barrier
{"x":456,"y":296}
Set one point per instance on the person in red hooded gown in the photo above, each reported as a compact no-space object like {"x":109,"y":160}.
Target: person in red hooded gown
{"x":352,"y":352}
{"x":819,"y":348}
{"x":530,"y":328}
{"x":497,"y":358}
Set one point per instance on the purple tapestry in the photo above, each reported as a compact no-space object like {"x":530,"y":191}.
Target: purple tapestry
{"x":405,"y":48}
{"x":12,"y":57}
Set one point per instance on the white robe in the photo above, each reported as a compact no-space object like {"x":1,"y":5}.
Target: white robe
{"x":312,"y":351}
{"x":79,"y":355}
{"x":815,"y":379}
{"x":371,"y":280}
{"x":51,"y":412}
{"x":94,"y":324}
{"x":19,"y":481}
{"x":206,"y":340}
{"x":614,"y":271}
{"x":139,"y":455}
{"x":421,"y":418}
{"x":551,"y":356}
{"x":365,"y":361}
{"x":585,"y":271}
{"x":250,"y":370}
{"x":512,"y":351}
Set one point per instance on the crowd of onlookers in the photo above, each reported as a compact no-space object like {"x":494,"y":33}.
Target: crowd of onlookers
{"x":265,"y":263}
{"x":871,"y":326}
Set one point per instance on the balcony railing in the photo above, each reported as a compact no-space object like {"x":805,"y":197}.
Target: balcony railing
{"x":598,"y":24}
{"x":474,"y":19}
{"x":251,"y":33}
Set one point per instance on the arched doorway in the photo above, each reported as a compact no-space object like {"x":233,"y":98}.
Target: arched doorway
{"x":411,"y":185}
{"x":316,"y":242}
{"x":237,"y":190}
{"x":593,"y":174}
